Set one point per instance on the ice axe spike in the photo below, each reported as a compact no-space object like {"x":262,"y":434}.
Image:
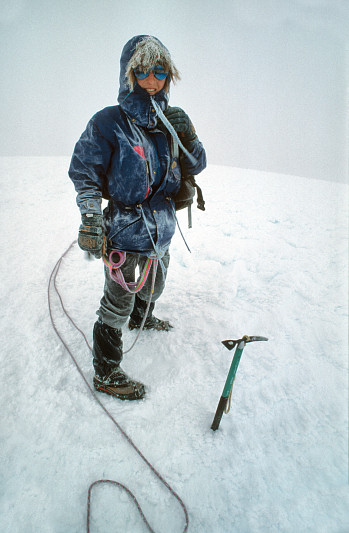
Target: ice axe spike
{"x":230,"y":344}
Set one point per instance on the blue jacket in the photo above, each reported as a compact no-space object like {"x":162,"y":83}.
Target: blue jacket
{"x":124,"y":155}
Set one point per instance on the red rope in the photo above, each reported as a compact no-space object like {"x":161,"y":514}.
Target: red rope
{"x":53,"y":285}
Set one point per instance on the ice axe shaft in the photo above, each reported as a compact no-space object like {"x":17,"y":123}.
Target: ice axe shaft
{"x":230,"y":344}
{"x":228,"y":385}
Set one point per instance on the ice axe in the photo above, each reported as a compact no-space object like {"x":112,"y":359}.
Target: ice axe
{"x":228,"y":387}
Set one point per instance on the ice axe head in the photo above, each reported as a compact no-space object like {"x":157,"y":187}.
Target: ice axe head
{"x":230,"y":344}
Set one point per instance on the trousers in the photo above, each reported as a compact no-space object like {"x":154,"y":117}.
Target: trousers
{"x":117,"y":304}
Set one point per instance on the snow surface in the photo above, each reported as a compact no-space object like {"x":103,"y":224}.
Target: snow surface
{"x":269,"y":257}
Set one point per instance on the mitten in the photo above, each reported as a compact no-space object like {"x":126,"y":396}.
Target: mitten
{"x":91,"y":234}
{"x":183,"y":126}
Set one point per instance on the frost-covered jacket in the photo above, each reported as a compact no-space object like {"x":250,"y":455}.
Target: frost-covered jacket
{"x":125,"y":155}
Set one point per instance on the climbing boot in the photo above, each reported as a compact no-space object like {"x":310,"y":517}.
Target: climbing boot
{"x":137,"y":315}
{"x":107,"y":355}
{"x":151,"y":323}
{"x":120,"y":385}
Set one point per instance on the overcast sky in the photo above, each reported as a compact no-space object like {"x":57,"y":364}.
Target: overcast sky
{"x":264,"y":81}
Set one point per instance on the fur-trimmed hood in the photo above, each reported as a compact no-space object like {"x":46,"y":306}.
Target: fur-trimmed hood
{"x":144,"y":51}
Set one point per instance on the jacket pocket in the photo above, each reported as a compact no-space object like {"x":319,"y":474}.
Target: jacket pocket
{"x":122,"y":220}
{"x":174,"y":177}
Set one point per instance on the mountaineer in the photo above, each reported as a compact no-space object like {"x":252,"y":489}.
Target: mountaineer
{"x":126,"y":155}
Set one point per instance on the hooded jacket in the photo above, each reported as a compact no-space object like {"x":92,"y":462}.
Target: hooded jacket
{"x":124,"y":155}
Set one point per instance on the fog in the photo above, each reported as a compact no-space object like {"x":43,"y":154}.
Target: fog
{"x":264,"y":81}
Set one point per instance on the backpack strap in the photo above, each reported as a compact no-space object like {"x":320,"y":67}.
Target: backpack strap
{"x":200,"y":199}
{"x":186,"y":200}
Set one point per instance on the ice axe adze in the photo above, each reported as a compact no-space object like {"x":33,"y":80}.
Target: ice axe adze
{"x":230,"y":344}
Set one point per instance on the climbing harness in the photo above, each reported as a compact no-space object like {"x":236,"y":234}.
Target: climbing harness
{"x":133,"y":287}
{"x":115,"y":272}
{"x":225,"y":399}
{"x":52,"y":287}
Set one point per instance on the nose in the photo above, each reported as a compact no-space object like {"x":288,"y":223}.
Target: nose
{"x":151,"y":75}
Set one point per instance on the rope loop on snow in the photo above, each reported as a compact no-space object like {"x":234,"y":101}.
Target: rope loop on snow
{"x":52,"y":286}
{"x":122,"y":487}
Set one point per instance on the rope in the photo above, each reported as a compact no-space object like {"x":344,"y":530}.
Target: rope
{"x":155,"y":268}
{"x":180,"y":231}
{"x":117,"y":275}
{"x":171,"y":129}
{"x":132,"y":287}
{"x":157,"y":253}
{"x":52,"y":285}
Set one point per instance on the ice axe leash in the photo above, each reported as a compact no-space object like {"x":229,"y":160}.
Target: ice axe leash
{"x":228,"y":387}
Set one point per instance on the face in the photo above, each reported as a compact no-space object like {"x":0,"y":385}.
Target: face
{"x":151,"y":84}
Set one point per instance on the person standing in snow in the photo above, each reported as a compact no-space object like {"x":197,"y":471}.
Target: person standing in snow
{"x":126,"y":155}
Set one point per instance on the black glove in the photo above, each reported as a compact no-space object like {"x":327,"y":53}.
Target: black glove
{"x":183,"y":126}
{"x":91,"y":234}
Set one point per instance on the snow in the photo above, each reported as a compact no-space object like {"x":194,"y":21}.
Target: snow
{"x":269,"y":257}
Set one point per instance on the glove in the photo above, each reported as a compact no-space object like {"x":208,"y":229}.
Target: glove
{"x":91,"y":234}
{"x":183,"y":126}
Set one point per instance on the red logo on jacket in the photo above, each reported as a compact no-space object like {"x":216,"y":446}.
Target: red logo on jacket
{"x":139,"y":150}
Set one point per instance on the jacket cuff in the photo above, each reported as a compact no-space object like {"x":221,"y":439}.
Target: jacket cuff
{"x":91,"y":205}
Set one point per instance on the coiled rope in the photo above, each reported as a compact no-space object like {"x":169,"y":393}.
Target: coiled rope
{"x":52,"y":286}
{"x":114,"y":269}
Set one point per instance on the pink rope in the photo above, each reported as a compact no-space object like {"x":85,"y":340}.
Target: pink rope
{"x":116,"y":274}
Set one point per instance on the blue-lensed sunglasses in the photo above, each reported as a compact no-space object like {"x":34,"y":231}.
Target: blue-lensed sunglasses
{"x":157,"y":70}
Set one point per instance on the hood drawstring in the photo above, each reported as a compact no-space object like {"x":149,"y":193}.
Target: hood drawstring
{"x":126,"y":97}
{"x":171,"y":130}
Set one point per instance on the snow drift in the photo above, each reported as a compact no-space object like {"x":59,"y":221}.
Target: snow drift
{"x":269,"y":257}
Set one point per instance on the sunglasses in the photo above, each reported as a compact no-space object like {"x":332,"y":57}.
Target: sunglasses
{"x":157,"y":70}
